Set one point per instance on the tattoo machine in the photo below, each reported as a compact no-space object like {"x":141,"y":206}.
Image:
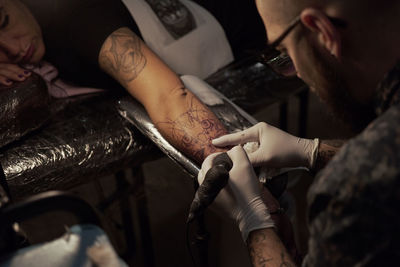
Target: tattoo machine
{"x":215,"y":180}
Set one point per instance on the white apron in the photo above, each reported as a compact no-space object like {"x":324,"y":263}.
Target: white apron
{"x":200,"y":52}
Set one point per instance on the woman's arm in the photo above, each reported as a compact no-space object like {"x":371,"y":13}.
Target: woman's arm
{"x":182,"y":119}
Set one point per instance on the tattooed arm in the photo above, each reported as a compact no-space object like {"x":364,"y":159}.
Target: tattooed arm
{"x":266,"y":249}
{"x":326,"y":150}
{"x":182,"y":119}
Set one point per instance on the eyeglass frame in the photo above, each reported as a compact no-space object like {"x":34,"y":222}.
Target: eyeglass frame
{"x":266,"y":57}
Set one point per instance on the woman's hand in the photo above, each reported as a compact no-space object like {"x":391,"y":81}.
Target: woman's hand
{"x":10,"y":73}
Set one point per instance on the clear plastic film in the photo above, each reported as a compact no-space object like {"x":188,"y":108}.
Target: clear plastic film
{"x":227,"y":113}
{"x":24,"y":107}
{"x":87,"y":139}
{"x":233,"y":117}
{"x":252,"y":85}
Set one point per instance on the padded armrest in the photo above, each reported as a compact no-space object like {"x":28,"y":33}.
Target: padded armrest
{"x":252,"y":85}
{"x":88,"y":139}
{"x":232,"y":116}
{"x":24,"y":107}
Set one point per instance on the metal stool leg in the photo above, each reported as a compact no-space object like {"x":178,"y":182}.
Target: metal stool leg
{"x":143,"y":218}
{"x":122,"y":194}
{"x":126,"y":213}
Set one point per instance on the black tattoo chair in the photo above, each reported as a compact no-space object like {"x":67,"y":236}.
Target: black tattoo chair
{"x":57,"y":145}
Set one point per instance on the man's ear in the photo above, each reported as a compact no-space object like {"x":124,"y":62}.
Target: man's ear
{"x":319,"y":23}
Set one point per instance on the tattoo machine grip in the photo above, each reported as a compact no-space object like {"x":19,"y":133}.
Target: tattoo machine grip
{"x":215,"y":180}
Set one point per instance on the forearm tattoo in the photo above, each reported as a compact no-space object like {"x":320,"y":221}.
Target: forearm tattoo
{"x":193,"y":130}
{"x":259,"y":246}
{"x":255,"y":245}
{"x":122,"y":56}
{"x":326,"y":151}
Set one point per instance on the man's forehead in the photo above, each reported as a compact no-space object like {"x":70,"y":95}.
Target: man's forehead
{"x":273,"y":9}
{"x":277,"y":15}
{"x":272,"y":14}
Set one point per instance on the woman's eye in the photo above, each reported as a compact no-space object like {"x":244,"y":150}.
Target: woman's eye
{"x":4,"y":22}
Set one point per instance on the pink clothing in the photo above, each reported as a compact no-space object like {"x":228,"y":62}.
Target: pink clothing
{"x":57,"y":87}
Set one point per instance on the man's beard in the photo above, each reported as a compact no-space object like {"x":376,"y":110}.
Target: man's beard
{"x":332,"y":89}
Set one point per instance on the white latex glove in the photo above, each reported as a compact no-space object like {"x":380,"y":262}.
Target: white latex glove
{"x":242,"y":197}
{"x":277,"y":148}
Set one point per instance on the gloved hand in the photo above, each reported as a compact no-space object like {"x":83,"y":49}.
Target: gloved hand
{"x":277,"y":148}
{"x":224,"y":204}
{"x":242,"y":197}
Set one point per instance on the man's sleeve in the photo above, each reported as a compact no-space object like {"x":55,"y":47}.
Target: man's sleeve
{"x":353,"y":204}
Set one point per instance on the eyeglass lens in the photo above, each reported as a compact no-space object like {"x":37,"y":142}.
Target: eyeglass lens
{"x":281,"y":63}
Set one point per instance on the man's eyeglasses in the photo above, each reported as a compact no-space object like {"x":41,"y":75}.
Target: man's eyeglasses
{"x":280,"y":62}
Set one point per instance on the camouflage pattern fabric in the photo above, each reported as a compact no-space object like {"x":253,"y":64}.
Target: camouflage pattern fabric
{"x":354,"y":203}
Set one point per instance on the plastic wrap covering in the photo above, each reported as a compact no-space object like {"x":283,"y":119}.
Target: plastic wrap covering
{"x":135,"y":113}
{"x":87,"y":139}
{"x":24,"y":107}
{"x":232,"y":116}
{"x":3,"y":198}
{"x":252,"y":85}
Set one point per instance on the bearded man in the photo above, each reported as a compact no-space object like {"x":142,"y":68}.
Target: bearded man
{"x":348,"y":53}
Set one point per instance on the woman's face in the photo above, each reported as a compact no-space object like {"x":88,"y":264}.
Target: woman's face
{"x":21,"y":39}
